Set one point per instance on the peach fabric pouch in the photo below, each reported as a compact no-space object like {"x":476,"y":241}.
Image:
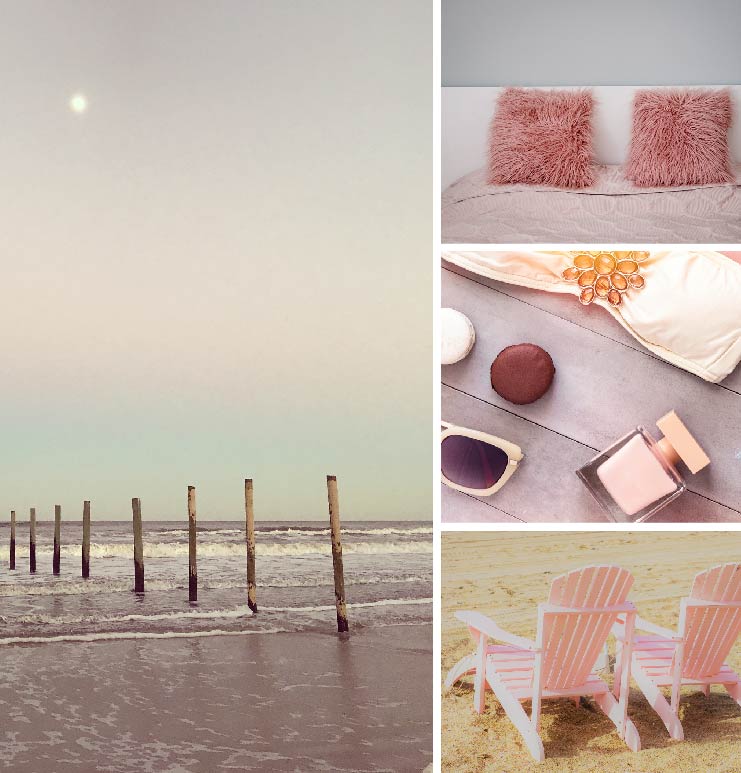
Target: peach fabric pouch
{"x":688,"y":313}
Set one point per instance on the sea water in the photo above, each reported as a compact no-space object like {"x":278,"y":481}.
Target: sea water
{"x":388,"y":580}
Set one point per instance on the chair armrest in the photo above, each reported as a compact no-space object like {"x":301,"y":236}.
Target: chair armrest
{"x":616,"y":608}
{"x":489,"y":628}
{"x":690,"y":602}
{"x":648,"y":627}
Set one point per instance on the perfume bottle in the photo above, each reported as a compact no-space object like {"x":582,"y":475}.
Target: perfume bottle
{"x":638,"y":475}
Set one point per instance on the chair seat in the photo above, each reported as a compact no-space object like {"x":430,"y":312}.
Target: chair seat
{"x":515,"y":668}
{"x":655,"y":655}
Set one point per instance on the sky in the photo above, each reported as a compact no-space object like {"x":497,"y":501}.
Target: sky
{"x":222,"y":267}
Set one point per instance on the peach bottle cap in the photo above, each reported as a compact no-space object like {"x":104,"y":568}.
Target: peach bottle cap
{"x":682,"y":445}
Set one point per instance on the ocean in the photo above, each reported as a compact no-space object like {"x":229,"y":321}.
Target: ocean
{"x":96,"y":677}
{"x":388,"y":580}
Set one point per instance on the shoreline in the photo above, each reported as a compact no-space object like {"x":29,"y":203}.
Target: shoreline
{"x":302,"y":700}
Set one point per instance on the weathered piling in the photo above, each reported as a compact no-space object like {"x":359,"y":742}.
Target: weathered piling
{"x":192,"y":568}
{"x":249,"y":516}
{"x":86,"y":539}
{"x":339,"y":575}
{"x":57,"y":539}
{"x":136,"y":507}
{"x":12,"y":539}
{"x":32,"y":541}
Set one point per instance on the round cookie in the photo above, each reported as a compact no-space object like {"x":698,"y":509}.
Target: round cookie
{"x":522,"y":373}
{"x":457,"y":336}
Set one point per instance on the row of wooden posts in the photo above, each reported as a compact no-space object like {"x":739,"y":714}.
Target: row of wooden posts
{"x":334,"y":524}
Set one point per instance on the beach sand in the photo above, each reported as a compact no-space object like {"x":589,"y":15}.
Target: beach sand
{"x":262,"y":701}
{"x":505,"y":575}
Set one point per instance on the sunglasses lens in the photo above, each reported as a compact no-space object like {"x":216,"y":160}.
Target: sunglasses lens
{"x":472,"y":463}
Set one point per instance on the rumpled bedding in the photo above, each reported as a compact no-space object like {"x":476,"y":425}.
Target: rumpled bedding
{"x":611,"y":210}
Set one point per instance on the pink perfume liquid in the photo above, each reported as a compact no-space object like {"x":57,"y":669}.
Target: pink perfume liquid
{"x":634,"y":477}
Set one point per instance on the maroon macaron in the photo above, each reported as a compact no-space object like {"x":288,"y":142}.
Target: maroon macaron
{"x":522,"y":373}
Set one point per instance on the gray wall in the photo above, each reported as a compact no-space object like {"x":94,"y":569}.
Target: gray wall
{"x":601,"y":43}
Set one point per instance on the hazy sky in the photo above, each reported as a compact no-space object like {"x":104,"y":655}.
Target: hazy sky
{"x":222,"y":268}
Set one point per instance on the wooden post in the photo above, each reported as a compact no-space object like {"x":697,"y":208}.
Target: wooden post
{"x":57,"y":538}
{"x":136,"y":507}
{"x":32,"y":541}
{"x":192,"y":568}
{"x":339,"y":575}
{"x":86,"y":539}
{"x":12,"y":539}
{"x":249,"y":513}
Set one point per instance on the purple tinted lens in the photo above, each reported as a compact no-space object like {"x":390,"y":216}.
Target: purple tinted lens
{"x":472,"y":463}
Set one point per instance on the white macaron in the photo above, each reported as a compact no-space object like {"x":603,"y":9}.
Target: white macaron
{"x":457,"y":336}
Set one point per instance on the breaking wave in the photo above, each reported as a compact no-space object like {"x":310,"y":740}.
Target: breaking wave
{"x":227,"y":549}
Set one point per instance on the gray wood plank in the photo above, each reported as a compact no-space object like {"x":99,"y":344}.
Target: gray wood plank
{"x":545,"y":487}
{"x":567,"y":307}
{"x":602,"y":389}
{"x":460,"y":508}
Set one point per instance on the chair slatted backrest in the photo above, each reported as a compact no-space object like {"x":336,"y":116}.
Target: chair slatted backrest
{"x":571,"y":641}
{"x":710,"y":631}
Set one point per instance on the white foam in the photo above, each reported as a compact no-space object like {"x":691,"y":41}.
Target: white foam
{"x":326,"y":607}
{"x":325,"y":531}
{"x":92,"y":637}
{"x":103,"y":585}
{"x":217,"y":614}
{"x":225,"y":549}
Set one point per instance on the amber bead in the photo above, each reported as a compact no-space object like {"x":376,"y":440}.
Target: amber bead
{"x":627,"y":267}
{"x":587,"y":295}
{"x":602,"y":286}
{"x":587,"y":278}
{"x":584,"y":261}
{"x":619,"y":282}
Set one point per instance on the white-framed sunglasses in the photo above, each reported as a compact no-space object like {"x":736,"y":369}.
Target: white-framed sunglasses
{"x":475,"y":462}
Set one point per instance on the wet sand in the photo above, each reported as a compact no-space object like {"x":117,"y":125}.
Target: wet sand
{"x":505,"y":575}
{"x":282,"y":701}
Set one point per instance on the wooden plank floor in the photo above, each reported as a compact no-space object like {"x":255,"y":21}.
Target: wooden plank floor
{"x":606,"y":384}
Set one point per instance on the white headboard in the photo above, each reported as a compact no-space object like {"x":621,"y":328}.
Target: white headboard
{"x":466,"y":112}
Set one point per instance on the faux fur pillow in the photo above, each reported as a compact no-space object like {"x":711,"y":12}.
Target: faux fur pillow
{"x":680,"y":138}
{"x":542,"y":138}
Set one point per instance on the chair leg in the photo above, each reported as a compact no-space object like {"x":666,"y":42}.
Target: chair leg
{"x":479,"y":681}
{"x":705,"y":690}
{"x":464,"y":666}
{"x":613,"y":709}
{"x":516,"y":713}
{"x":659,"y":703}
{"x":618,"y":673}
{"x":734,"y":690}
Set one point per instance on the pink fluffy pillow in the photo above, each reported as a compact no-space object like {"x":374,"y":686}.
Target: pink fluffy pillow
{"x":680,"y":138}
{"x":542,"y":138}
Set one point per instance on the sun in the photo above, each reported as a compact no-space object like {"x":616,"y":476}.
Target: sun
{"x":78,"y":103}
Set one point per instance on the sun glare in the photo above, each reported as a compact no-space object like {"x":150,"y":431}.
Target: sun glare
{"x":78,"y":103}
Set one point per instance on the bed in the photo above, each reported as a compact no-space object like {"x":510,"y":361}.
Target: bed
{"x":612,"y":210}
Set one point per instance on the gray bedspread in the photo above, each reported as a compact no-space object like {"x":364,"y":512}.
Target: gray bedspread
{"x":612,"y":210}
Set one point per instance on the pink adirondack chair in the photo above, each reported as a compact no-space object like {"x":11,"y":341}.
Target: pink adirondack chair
{"x":572,"y":630}
{"x":695,"y":654}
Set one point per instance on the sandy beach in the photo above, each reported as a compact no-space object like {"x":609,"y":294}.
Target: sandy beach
{"x":505,"y":575}
{"x":285,"y":702}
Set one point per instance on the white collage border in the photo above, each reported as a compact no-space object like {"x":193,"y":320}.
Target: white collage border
{"x":438,"y":528}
